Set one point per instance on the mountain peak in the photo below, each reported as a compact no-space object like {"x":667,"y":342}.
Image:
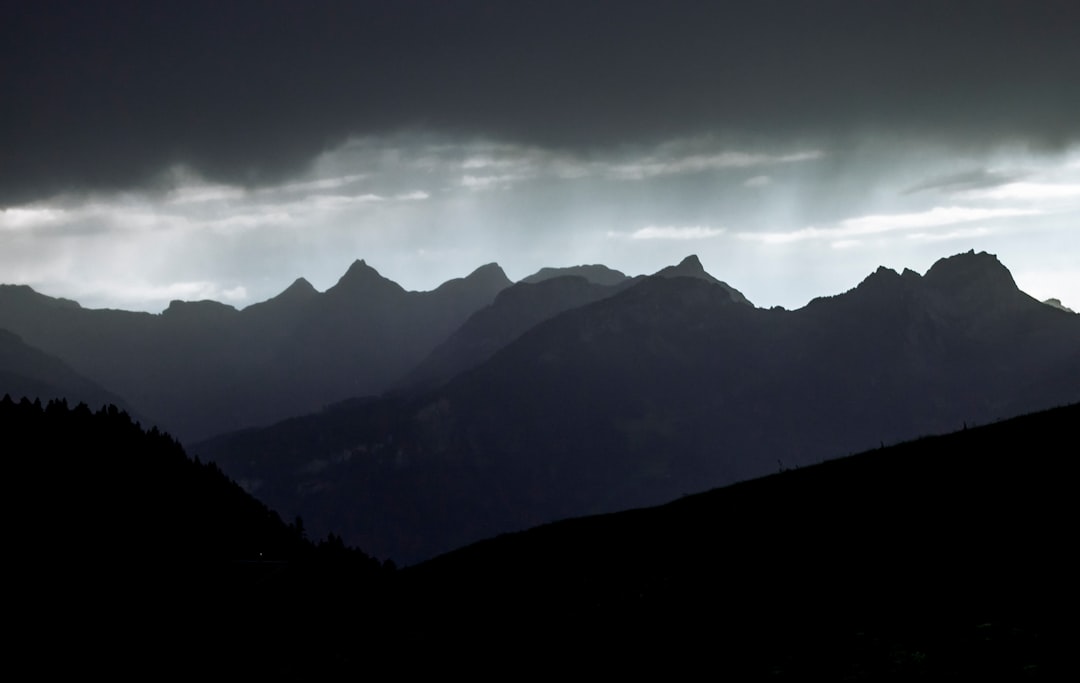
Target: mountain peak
{"x":300,"y":285}
{"x":492,"y":272}
{"x":362,"y":277}
{"x":688,"y":267}
{"x":299,"y":290}
{"x":359,"y":268}
{"x":969,"y":273}
{"x":691,"y":267}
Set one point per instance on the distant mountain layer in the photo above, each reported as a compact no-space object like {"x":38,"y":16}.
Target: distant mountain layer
{"x":596,"y":274}
{"x":26,"y":371}
{"x":204,"y":367}
{"x":515,"y":310}
{"x":670,"y":386}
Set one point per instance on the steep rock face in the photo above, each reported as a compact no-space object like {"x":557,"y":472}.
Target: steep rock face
{"x":667,"y":387}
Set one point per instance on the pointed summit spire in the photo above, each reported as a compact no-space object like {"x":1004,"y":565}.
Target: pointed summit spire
{"x":490,"y":273}
{"x":299,"y":290}
{"x":362,"y":278}
{"x":691,"y":267}
{"x":688,"y":267}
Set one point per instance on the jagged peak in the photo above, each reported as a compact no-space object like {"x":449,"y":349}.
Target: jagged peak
{"x":299,"y":290}
{"x":881,"y":274}
{"x":301,"y":286}
{"x":886,"y":282}
{"x":362,"y":276}
{"x":691,"y":267}
{"x":359,"y":268}
{"x":489,"y":271}
{"x":688,"y":267}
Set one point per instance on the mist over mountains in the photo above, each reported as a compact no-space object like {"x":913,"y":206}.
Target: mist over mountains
{"x":417,"y":422}
{"x":630,"y":395}
{"x":201,"y":368}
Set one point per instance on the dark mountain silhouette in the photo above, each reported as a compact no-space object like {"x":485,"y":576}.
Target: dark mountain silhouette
{"x":595,"y":273}
{"x":205,"y":367}
{"x":670,"y":386}
{"x":125,"y":551}
{"x":936,"y":559}
{"x":525,"y":305}
{"x":691,"y":267}
{"x":26,"y":371}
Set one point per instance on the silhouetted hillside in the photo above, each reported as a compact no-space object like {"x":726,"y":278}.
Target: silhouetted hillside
{"x":124,"y":552}
{"x":939,"y":558}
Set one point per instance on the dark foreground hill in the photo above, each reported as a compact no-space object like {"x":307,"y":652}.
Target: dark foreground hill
{"x":124,"y":555}
{"x":943,"y":558}
{"x":947,"y":558}
{"x":671,"y":386}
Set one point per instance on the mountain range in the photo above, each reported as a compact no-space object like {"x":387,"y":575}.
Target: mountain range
{"x":202,"y":368}
{"x":412,"y":423}
{"x":567,"y":397}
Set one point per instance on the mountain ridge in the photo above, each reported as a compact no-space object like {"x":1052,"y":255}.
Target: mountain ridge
{"x":662,"y":388}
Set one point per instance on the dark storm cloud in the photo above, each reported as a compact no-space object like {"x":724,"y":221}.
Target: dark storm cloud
{"x":106,"y":95}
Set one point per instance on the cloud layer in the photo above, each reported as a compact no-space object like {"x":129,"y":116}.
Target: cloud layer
{"x":106,"y":96}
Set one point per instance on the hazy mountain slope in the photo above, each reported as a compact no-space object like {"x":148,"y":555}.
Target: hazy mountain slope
{"x":30,"y":372}
{"x":666,"y":388}
{"x":534,"y":300}
{"x":515,"y":310}
{"x":596,"y":273}
{"x":204,"y":367}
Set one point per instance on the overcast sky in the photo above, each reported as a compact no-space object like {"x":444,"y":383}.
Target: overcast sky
{"x":157,"y":151}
